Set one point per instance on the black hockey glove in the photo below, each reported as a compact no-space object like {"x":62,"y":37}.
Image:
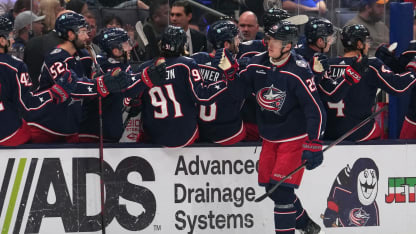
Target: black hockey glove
{"x":388,"y":58}
{"x":320,"y":63}
{"x":155,"y":73}
{"x":407,"y":56}
{"x":135,"y":105}
{"x":312,"y":153}
{"x":225,"y":61}
{"x":58,"y":94}
{"x":111,"y":82}
{"x":353,"y":72}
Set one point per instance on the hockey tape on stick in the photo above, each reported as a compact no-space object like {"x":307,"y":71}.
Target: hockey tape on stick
{"x":298,"y":19}
{"x":341,"y":138}
{"x":142,"y":36}
{"x":392,"y":47}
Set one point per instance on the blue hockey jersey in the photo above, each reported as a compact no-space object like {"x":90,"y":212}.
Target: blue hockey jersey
{"x":288,"y":107}
{"x":68,"y":71}
{"x":251,"y":48}
{"x":221,"y":120}
{"x":170,"y":112}
{"x":347,"y":105}
{"x":15,"y":95}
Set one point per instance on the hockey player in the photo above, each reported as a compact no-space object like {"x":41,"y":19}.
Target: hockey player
{"x":399,"y":65}
{"x":320,"y":35}
{"x":291,"y":121}
{"x":220,"y":122}
{"x":115,"y":43}
{"x":64,"y":73}
{"x":270,"y":18}
{"x":169,"y":111}
{"x":351,"y":99}
{"x":15,"y":96}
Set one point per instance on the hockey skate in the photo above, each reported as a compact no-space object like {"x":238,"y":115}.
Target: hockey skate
{"x":311,"y":228}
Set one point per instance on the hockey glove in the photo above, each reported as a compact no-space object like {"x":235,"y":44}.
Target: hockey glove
{"x":155,"y":73}
{"x":388,"y":58}
{"x":407,"y":56}
{"x":312,"y":153}
{"x":225,"y":61}
{"x":353,"y":72}
{"x":411,"y":66}
{"x":58,"y":94}
{"x":111,"y":82}
{"x":320,"y":63}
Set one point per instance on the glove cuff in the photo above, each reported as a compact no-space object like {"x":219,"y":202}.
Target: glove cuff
{"x":146,"y":79}
{"x":411,"y":66}
{"x":351,"y":76}
{"x":59,"y":93}
{"x":312,"y":145}
{"x":101,"y":88}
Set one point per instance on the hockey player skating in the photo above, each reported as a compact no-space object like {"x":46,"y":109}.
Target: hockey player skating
{"x":220,"y":122}
{"x":169,"y":111}
{"x":64,"y":73}
{"x":291,"y":121}
{"x":15,"y":95}
{"x":352,"y":97}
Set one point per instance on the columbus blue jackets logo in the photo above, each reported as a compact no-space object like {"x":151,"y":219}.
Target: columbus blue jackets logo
{"x":359,"y":217}
{"x":352,"y":199}
{"x":271,"y":99}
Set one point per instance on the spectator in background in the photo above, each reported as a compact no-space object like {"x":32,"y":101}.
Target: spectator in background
{"x":370,"y":14}
{"x":22,"y":5}
{"x":113,"y":21}
{"x":92,"y":33}
{"x":155,"y":25}
{"x":78,"y":6}
{"x":37,"y":47}
{"x":181,"y":15}
{"x":50,"y":9}
{"x":248,"y":26}
{"x":26,"y":25}
{"x":314,"y":7}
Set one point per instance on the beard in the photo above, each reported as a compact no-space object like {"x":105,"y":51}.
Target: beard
{"x":373,"y":17}
{"x":79,"y":44}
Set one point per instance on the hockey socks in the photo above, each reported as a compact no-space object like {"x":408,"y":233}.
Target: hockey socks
{"x":301,"y":215}
{"x":284,"y":218}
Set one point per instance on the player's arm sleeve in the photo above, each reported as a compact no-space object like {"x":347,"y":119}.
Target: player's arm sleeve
{"x":393,"y":83}
{"x":308,"y":96}
{"x":333,"y":89}
{"x":29,"y":101}
{"x":202,"y":93}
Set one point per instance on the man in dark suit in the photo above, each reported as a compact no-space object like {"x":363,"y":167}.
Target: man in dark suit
{"x":181,"y":15}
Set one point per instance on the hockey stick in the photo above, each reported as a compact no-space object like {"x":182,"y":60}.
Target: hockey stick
{"x":101,"y":144}
{"x":341,"y":138}
{"x":298,"y":19}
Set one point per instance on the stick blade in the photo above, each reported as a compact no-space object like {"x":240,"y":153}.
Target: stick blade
{"x":142,"y":36}
{"x":298,"y":19}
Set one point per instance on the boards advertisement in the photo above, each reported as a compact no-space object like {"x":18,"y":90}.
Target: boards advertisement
{"x":362,"y":188}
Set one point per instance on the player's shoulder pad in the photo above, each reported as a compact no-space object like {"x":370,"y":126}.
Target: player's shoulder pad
{"x":247,"y":43}
{"x":112,"y":60}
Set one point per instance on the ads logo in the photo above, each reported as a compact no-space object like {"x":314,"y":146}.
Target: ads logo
{"x":27,"y":187}
{"x":352,"y":199}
